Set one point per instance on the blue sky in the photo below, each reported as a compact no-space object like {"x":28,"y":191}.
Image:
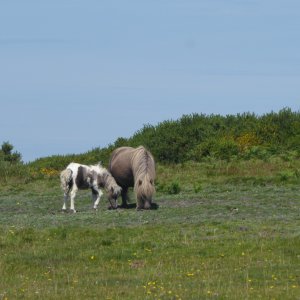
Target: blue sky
{"x":75,"y":75}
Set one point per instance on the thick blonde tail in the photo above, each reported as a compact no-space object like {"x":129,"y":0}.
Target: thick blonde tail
{"x":65,"y":180}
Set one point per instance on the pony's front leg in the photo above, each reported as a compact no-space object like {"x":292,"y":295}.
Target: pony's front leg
{"x":96,"y":193}
{"x":73,"y":194}
{"x":124,"y":197}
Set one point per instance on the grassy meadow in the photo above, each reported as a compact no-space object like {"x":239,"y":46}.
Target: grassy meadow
{"x":223,"y":230}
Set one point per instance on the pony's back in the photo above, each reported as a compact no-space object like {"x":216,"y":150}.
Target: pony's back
{"x":120,"y":166}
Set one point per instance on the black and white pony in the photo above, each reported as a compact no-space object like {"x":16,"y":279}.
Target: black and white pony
{"x":77,"y":176}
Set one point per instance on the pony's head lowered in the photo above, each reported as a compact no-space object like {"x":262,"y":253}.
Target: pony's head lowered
{"x":112,"y":188}
{"x":144,"y":175}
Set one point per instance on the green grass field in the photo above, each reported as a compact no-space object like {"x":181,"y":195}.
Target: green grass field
{"x":231,"y":236}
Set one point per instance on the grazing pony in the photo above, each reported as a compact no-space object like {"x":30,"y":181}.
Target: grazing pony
{"x":77,"y":176}
{"x":134,"y":167}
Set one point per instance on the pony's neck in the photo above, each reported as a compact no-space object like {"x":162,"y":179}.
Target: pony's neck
{"x":108,"y":180}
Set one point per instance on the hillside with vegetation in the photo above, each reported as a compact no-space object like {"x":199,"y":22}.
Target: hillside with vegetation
{"x":266,"y":143}
{"x":226,"y":227}
{"x":197,"y":137}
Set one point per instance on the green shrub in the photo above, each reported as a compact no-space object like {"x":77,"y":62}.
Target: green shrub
{"x":219,"y":148}
{"x":6,"y":153}
{"x":286,"y":176}
{"x":173,"y":188}
{"x":258,"y":152}
{"x":160,"y":187}
{"x":226,"y":149}
{"x":197,"y":187}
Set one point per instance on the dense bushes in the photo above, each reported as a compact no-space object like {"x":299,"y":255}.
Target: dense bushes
{"x":197,"y":137}
{"x":58,"y":162}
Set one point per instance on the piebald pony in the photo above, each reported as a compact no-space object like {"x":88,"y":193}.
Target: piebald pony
{"x":77,"y":176}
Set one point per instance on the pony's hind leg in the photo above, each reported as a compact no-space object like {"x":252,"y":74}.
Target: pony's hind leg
{"x":73,"y":194}
{"x":66,"y":195}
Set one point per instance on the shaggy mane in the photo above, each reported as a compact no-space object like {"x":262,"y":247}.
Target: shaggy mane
{"x":144,"y":172}
{"x":142,"y":162}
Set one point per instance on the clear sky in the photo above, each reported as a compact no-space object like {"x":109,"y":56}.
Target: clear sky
{"x":78,"y":74}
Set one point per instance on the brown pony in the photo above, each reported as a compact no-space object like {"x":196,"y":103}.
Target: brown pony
{"x":134,"y":167}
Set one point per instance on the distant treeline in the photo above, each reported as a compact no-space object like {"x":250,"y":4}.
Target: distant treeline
{"x":199,"y":137}
{"x":196,"y":137}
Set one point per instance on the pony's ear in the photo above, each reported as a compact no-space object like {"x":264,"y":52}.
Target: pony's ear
{"x":151,"y":181}
{"x":140,"y":182}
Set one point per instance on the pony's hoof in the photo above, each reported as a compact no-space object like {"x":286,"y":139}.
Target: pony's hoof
{"x":154,"y":206}
{"x":73,"y":211}
{"x":111,"y":208}
{"x":64,"y":210}
{"x":124,"y":206}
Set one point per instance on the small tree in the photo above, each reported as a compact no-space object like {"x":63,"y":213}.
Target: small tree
{"x":7,"y":153}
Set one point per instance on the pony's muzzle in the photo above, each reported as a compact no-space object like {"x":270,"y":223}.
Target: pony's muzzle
{"x":113,"y":203}
{"x":147,"y":204}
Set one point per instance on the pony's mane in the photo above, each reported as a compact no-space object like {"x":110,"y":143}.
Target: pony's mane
{"x":107,"y":179}
{"x":143,"y":167}
{"x":97,"y":166}
{"x":143,"y":163}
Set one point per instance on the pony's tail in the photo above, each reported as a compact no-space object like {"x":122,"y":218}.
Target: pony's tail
{"x":144,"y":190}
{"x":65,"y":180}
